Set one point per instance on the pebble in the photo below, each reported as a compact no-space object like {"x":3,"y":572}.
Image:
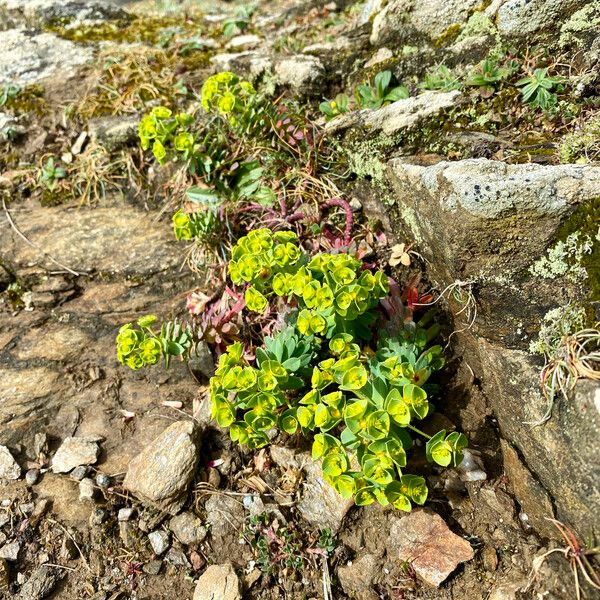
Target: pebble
{"x":159,"y":540}
{"x":178,"y":558}
{"x":188,"y":528}
{"x":4,"y":519}
{"x":125,"y":514}
{"x":78,"y":473}
{"x":32,"y":476}
{"x":218,"y":581}
{"x":27,"y":508}
{"x":102,"y":480}
{"x":86,"y":489}
{"x":127,"y":533}
{"x":98,"y":517}
{"x":74,"y":452}
{"x":152,"y":567}
{"x":9,"y":468}
{"x":10,"y":551}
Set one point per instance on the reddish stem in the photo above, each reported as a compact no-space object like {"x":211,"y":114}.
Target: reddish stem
{"x":349,"y":216}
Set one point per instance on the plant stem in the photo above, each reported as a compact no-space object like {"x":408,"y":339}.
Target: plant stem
{"x":419,"y":431}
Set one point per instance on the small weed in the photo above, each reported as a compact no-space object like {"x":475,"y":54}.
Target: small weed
{"x":50,"y":174}
{"x":240,"y":22}
{"x":440,"y":78}
{"x":8,"y":92}
{"x":537,"y":89}
{"x":379,"y":94}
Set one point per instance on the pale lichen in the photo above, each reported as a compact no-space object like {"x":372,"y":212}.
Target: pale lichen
{"x":556,"y":325}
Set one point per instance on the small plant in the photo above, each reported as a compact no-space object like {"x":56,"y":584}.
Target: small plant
{"x":8,"y":92}
{"x":441,"y":78}
{"x":139,"y":345}
{"x":51,"y":174}
{"x":537,"y":89}
{"x":490,"y":73}
{"x":361,"y":404}
{"x":332,"y":108}
{"x":380,"y":94}
{"x":238,"y":23}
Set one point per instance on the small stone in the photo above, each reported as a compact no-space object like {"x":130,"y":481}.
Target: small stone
{"x":4,"y":576}
{"x":27,"y":508}
{"x":127,"y":533}
{"x":490,"y":558}
{"x":78,"y":473}
{"x":125,"y":514}
{"x":159,"y":540}
{"x":152,"y":567}
{"x":423,"y":539}
{"x":32,"y":476}
{"x":162,"y":472}
{"x":68,"y":549}
{"x":4,"y":519}
{"x":10,"y":551}
{"x":178,"y":558}
{"x":188,"y":528}
{"x":73,"y":452}
{"x":355,"y":204}
{"x":9,"y":468}
{"x":243,"y":42}
{"x":471,"y":467}
{"x":357,"y":577}
{"x":86,"y":489}
{"x":102,"y":480}
{"x":214,"y":478}
{"x":77,"y":146}
{"x":3,"y":537}
{"x":40,"y":444}
{"x":98,"y":516}
{"x":302,"y":73}
{"x":41,"y":583}
{"x":218,"y":581}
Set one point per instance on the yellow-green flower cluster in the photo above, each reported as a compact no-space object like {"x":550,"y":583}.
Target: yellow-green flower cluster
{"x":188,"y":226}
{"x":160,"y":128}
{"x":138,"y":347}
{"x":226,"y":94}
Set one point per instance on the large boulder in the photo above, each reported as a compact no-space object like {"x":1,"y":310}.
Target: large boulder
{"x":515,"y":238}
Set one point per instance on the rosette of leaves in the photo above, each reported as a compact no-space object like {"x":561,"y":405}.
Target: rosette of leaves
{"x":332,"y":292}
{"x":338,"y":106}
{"x":139,"y":345}
{"x":380,"y":94}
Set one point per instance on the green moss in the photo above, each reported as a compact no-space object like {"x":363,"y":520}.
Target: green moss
{"x":449,"y":36}
{"x":583,"y":24}
{"x":582,"y":145}
{"x":29,"y":99}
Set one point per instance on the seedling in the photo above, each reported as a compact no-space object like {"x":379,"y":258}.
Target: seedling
{"x":380,"y":94}
{"x":51,"y":174}
{"x":337,"y":106}
{"x":537,"y":89}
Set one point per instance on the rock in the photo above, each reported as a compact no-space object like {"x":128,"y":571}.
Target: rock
{"x":218,"y":581}
{"x":78,"y":473}
{"x":114,"y":132}
{"x":225,"y":516}
{"x":381,"y":55}
{"x":125,"y":514}
{"x":152,"y":567}
{"x":522,"y":19}
{"x":163,"y":471}
{"x":98,"y":516}
{"x":102,"y":480}
{"x":74,"y":452}
{"x":471,"y":467}
{"x":423,"y":539}
{"x":319,"y":503}
{"x":177,"y":558}
{"x":404,"y":21}
{"x":160,"y":541}
{"x":248,"y":64}
{"x":128,"y":534}
{"x":188,"y":528}
{"x":243,"y":42}
{"x":86,"y":489}
{"x":68,"y":549}
{"x":41,"y":583}
{"x":4,"y":576}
{"x":402,"y":115}
{"x":303,"y":73}
{"x":357,"y":577}
{"x":490,"y":558}
{"x":10,"y":551}
{"x":26,"y":57}
{"x":32,"y":476}
{"x":530,"y":494}
{"x":9,"y":468}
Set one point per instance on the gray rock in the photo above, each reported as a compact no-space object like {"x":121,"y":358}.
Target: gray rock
{"x":403,"y":21}
{"x":177,"y":558}
{"x":163,"y":471}
{"x":188,"y":528}
{"x":525,"y":18}
{"x":86,"y":489}
{"x":41,"y":583}
{"x":128,"y":534}
{"x":78,"y":473}
{"x":303,"y":73}
{"x":9,"y":468}
{"x":102,"y":480}
{"x":114,"y":132}
{"x":249,"y":64}
{"x":399,"y":116}
{"x":125,"y":514}
{"x":74,"y":452}
{"x":98,"y":516}
{"x":357,"y":577}
{"x":26,"y":57}
{"x":152,"y":567}
{"x":225,"y":517}
{"x":423,"y":539}
{"x":218,"y":581}
{"x":244,"y":42}
{"x":160,"y":541}
{"x":32,"y":476}
{"x":10,"y":551}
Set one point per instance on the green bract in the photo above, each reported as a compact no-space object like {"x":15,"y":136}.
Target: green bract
{"x":315,"y":376}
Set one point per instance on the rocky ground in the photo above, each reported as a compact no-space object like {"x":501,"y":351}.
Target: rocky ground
{"x":115,"y":483}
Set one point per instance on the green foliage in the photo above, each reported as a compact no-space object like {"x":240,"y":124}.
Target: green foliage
{"x":138,"y":345}
{"x":537,"y":89}
{"x":332,"y":108}
{"x":361,"y":404}
{"x":8,"y":91}
{"x":51,"y":174}
{"x":379,"y":94}
{"x":440,"y":78}
{"x":238,"y":23}
{"x":490,"y":73}
{"x":188,"y":226}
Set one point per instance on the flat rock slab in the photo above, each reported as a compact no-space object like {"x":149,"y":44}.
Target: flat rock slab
{"x":27,"y":57}
{"x":402,"y":115}
{"x":9,"y":468}
{"x":161,"y":474}
{"x":423,"y":539}
{"x":74,"y":452}
{"x":117,"y":239}
{"x":218,"y":582}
